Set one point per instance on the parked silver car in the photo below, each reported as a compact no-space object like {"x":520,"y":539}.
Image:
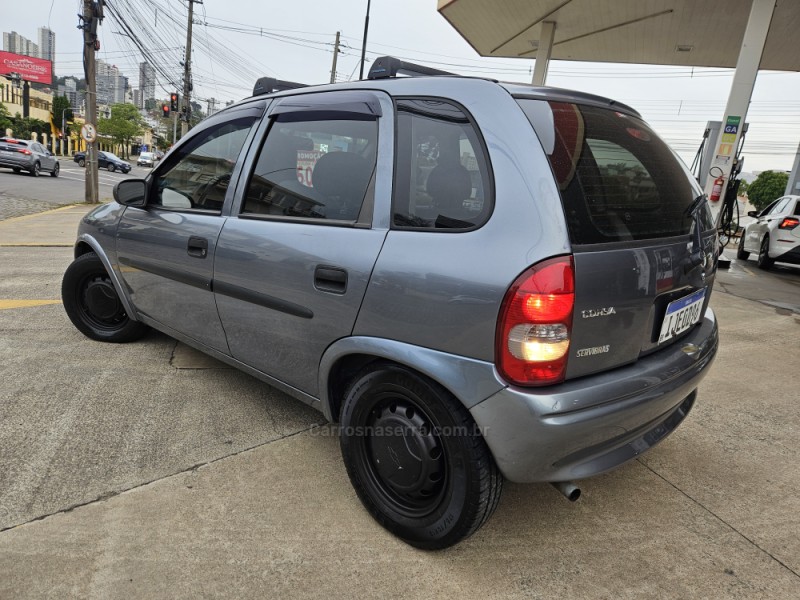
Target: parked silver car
{"x":27,"y":155}
{"x":475,"y":280}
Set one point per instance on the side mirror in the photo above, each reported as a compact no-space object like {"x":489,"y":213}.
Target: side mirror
{"x":131,"y":192}
{"x":752,"y":213}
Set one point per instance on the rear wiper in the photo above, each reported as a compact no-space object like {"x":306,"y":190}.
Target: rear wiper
{"x":696,"y":256}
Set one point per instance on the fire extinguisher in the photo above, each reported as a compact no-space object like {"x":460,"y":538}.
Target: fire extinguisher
{"x":716,"y":191}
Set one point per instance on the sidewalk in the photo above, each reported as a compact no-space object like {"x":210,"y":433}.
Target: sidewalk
{"x":52,"y":228}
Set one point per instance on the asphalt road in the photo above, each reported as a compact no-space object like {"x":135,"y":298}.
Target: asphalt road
{"x":144,"y":470}
{"x":21,"y":194}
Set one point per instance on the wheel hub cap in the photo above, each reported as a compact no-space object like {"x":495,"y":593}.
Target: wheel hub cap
{"x":101,"y":300}
{"x":406,"y":453}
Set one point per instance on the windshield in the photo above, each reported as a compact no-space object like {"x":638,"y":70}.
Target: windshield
{"x":619,"y":181}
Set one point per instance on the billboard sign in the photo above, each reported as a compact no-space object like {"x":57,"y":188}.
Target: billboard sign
{"x":32,"y":69}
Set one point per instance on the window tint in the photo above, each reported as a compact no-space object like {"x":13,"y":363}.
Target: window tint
{"x":797,"y":208}
{"x":319,"y":169}
{"x":618,"y":180}
{"x":198,"y":176}
{"x":442,"y":179}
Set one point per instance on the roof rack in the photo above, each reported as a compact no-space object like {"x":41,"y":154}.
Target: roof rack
{"x":267,"y":85}
{"x":389,"y":66}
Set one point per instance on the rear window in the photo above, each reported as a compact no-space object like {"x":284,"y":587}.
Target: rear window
{"x":618,"y":180}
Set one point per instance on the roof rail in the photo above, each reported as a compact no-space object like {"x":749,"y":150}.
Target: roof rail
{"x":389,"y":66}
{"x":267,"y":85}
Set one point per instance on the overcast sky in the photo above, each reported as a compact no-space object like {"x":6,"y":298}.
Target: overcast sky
{"x":241,"y":39}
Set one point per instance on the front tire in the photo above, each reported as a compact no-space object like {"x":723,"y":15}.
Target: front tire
{"x":764,"y":261}
{"x":56,"y":170}
{"x":416,"y":459}
{"x":741,"y":253}
{"x":81,"y":162}
{"x":92,"y":303}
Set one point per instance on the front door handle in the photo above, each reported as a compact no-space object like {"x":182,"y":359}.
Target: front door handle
{"x":198,"y":247}
{"x":330,"y":279}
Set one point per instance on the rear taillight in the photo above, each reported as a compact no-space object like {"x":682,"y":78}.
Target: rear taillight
{"x":535,"y":323}
{"x":789,"y":223}
{"x":25,"y":151}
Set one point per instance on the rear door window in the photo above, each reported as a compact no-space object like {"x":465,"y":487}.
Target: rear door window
{"x":619,"y":181}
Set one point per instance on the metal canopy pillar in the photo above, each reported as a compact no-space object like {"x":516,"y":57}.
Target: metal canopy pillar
{"x":744,"y":79}
{"x":543,"y":52}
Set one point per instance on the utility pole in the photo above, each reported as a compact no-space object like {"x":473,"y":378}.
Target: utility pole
{"x":187,"y":72}
{"x":89,"y":26}
{"x":335,"y":56}
{"x":364,"y":43}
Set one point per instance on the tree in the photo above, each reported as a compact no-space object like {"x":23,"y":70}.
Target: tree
{"x":124,"y":124}
{"x":151,"y":104}
{"x":5,"y":119}
{"x":24,"y":127}
{"x":768,"y":186}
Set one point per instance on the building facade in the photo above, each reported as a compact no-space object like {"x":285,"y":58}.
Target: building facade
{"x":18,"y":44}
{"x":147,"y":83}
{"x":47,"y":44}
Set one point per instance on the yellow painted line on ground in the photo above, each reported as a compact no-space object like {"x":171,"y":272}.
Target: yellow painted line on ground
{"x":45,"y":212}
{"x":7,"y":304}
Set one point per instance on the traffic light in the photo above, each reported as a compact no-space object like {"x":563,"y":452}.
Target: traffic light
{"x":173,"y":100}
{"x":165,"y":110}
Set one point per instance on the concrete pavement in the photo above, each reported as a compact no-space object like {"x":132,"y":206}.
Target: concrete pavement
{"x":147,"y":471}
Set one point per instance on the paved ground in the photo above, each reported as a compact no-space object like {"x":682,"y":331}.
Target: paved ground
{"x":144,"y":471}
{"x":21,"y":194}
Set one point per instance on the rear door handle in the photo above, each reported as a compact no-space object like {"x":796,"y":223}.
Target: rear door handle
{"x":197,"y":247}
{"x":330,"y":279}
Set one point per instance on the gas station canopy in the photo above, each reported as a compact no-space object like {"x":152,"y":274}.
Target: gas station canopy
{"x":705,"y":33}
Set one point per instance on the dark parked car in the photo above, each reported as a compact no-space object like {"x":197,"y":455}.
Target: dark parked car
{"x":105,"y":160}
{"x":476,"y":280}
{"x":27,"y":155}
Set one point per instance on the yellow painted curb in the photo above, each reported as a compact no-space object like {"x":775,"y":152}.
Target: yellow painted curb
{"x":7,"y":304}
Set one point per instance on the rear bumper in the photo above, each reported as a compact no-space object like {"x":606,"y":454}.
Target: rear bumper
{"x":593,"y":424}
{"x":12,"y":162}
{"x":792,"y":256}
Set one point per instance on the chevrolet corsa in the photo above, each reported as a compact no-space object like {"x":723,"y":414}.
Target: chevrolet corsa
{"x":477,"y":281}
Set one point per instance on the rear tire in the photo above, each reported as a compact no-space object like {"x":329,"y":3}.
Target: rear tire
{"x":92,"y":303}
{"x":435,"y":482}
{"x":741,"y":254}
{"x":764,"y":261}
{"x":111,"y":168}
{"x":35,"y":170}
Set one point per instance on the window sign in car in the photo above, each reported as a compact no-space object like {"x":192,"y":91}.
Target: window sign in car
{"x":318,"y":169}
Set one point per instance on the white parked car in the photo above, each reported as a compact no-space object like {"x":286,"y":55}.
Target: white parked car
{"x":146,"y":159}
{"x":774,"y":235}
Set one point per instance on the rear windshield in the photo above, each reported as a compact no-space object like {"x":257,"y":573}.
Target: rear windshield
{"x":619,"y":181}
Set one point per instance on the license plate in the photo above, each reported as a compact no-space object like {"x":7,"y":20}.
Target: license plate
{"x":681,"y":315}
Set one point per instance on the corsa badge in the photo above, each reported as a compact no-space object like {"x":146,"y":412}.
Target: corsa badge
{"x":598,"y":312}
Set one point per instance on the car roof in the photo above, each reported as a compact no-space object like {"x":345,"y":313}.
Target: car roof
{"x":458,"y":84}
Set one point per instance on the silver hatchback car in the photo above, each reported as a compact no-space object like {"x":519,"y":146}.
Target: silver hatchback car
{"x":475,"y":280}
{"x":27,"y":155}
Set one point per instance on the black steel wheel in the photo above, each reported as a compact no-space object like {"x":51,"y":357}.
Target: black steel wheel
{"x":56,"y":170}
{"x":92,"y":303}
{"x":35,"y":170}
{"x":415,"y":458}
{"x":741,"y":253}
{"x":764,"y":261}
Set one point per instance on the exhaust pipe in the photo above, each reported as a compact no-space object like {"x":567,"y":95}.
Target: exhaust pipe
{"x":568,"y":489}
